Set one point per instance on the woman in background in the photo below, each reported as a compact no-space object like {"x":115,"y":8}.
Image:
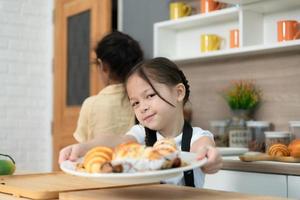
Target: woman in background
{"x":109,"y":111}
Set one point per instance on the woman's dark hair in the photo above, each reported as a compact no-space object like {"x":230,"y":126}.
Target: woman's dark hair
{"x":163,"y":71}
{"x":120,"y":52}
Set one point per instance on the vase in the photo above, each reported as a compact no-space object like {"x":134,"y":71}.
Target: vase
{"x":238,"y":132}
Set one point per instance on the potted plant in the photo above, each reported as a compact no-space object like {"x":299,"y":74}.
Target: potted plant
{"x":242,"y":97}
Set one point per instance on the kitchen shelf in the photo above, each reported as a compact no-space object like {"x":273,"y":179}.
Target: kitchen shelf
{"x":264,"y":6}
{"x":199,"y":20}
{"x":179,"y":39}
{"x":245,"y":51}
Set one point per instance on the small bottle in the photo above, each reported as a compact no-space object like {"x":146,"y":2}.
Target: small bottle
{"x":256,"y":135}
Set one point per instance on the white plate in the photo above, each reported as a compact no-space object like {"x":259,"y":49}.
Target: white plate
{"x":226,"y":151}
{"x":138,"y":177}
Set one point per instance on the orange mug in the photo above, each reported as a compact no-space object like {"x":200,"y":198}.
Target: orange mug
{"x":210,"y":5}
{"x":288,"y":30}
{"x":234,"y":38}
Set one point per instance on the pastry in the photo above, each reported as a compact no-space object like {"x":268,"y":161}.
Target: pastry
{"x":96,"y":158}
{"x":128,"y":150}
{"x":127,"y":156}
{"x":278,"y":150}
{"x":294,"y":148}
{"x":165,"y":146}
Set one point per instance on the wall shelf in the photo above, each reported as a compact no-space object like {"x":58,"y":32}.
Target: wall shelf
{"x":179,"y":39}
{"x":246,"y":51}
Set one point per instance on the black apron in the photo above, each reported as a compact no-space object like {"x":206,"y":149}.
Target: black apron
{"x":187,"y":134}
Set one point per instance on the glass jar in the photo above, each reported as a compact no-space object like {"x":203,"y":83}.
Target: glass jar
{"x":256,"y":135}
{"x":294,"y":129}
{"x":219,"y":130}
{"x":274,"y":137}
{"x":238,"y":133}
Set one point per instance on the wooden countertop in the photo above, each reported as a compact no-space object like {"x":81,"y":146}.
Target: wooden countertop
{"x":233,"y":163}
{"x":158,"y":191}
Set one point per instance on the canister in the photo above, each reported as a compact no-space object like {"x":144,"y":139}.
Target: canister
{"x":294,"y":129}
{"x":220,"y":132}
{"x":256,"y":140}
{"x":274,"y":137}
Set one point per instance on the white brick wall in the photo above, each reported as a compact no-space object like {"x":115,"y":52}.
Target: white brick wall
{"x":26,"y":50}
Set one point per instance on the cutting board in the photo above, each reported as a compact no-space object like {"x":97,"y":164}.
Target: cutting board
{"x":48,"y":185}
{"x":163,"y":191}
{"x":266,"y":157}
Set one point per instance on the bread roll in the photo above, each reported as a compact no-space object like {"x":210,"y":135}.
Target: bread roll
{"x":165,"y":146}
{"x":128,"y":150}
{"x":294,"y":148}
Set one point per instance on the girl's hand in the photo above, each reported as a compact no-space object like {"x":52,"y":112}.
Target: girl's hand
{"x":214,"y":159}
{"x":72,"y":152}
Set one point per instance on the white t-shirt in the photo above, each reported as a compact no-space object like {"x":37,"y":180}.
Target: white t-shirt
{"x":138,"y":132}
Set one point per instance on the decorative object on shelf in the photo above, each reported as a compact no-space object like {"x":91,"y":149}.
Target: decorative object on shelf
{"x":288,"y":30}
{"x":7,"y":166}
{"x":234,"y":38}
{"x":242,"y":98}
{"x":220,"y":132}
{"x":179,"y":9}
{"x":210,"y":42}
{"x":211,"y":5}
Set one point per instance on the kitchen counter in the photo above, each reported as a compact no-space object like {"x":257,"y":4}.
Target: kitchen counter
{"x":234,"y":163}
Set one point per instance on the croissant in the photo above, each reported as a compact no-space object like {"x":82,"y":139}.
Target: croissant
{"x":278,"y":150}
{"x":96,"y":158}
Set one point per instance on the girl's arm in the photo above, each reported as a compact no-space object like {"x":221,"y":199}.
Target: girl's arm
{"x":205,"y":147}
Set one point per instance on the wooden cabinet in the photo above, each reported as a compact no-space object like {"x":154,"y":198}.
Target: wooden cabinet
{"x":250,"y":183}
{"x":179,"y":39}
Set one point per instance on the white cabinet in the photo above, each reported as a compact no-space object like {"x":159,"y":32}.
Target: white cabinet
{"x":294,"y":186}
{"x":179,"y":39}
{"x":248,"y":182}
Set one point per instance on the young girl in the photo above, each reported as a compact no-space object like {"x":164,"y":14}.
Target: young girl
{"x":117,"y":53}
{"x":157,"y":90}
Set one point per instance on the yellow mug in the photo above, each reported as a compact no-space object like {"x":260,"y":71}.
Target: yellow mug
{"x":210,"y":42}
{"x":179,"y":9}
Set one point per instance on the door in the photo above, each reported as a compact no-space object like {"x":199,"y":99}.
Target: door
{"x":79,"y":25}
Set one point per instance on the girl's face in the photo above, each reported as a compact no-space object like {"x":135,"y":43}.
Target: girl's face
{"x":150,"y":110}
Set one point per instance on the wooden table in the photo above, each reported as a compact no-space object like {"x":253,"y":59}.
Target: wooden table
{"x":158,"y":191}
{"x":56,"y":186}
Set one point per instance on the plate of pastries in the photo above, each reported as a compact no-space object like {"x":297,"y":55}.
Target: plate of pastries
{"x":132,"y":162}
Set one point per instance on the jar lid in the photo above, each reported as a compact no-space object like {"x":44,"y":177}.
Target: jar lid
{"x":258,"y":124}
{"x":277,"y":134}
{"x":218,"y":123}
{"x":294,"y":123}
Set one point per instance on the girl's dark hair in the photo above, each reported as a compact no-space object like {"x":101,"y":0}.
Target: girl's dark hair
{"x":120,"y":52}
{"x":163,"y":71}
